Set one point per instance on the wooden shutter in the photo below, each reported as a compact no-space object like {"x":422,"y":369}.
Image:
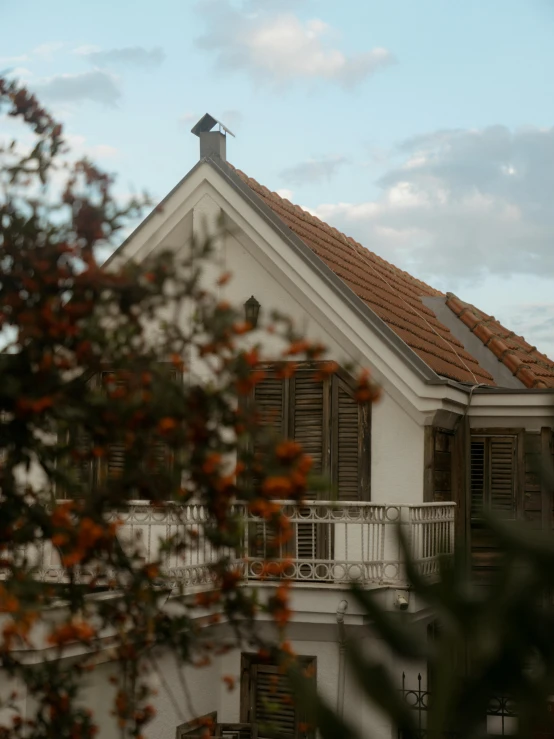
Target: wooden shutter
{"x":80,"y":469}
{"x":347,"y":442}
{"x":493,"y":475}
{"x":323,"y":416}
{"x":502,"y":476}
{"x":269,"y":396}
{"x":270,"y":401}
{"x":267,"y":700}
{"x":274,"y":710}
{"x":442,"y":465}
{"x":493,"y":488}
{"x":160,"y":458}
{"x":196,"y":729}
{"x":309,"y":421}
{"x":85,"y":467}
{"x":115,"y":458}
{"x":477,"y":477}
{"x":308,"y":416}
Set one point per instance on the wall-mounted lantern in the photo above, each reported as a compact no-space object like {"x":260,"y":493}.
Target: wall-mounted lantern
{"x":252,"y":311}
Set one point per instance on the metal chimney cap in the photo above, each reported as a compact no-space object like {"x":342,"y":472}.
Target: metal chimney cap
{"x":206,"y":123}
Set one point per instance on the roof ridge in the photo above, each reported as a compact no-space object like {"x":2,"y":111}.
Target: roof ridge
{"x":469,"y":315}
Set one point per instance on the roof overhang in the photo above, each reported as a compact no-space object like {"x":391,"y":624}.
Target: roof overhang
{"x":398,"y":367}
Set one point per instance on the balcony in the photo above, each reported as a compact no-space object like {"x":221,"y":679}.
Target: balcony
{"x":335,"y":543}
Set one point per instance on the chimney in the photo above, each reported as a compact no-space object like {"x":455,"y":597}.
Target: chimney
{"x":213,"y":144}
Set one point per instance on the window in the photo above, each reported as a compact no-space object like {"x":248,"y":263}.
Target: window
{"x":493,"y":483}
{"x":91,"y":472}
{"x":267,"y":699}
{"x":322,"y":415}
{"x":493,"y":475}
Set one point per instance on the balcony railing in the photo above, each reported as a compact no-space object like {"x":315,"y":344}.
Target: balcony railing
{"x":499,"y":717}
{"x":331,"y":542}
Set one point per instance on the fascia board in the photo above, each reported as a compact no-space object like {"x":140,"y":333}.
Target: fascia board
{"x":357,"y":306}
{"x":425,"y":391}
{"x":531,"y":405}
{"x":318,"y":297}
{"x":162,"y":219}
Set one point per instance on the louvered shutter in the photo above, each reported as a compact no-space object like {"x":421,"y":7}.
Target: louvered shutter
{"x":268,"y":703}
{"x":196,"y":729}
{"x":274,"y":710}
{"x":308,"y":418}
{"x":160,"y":459}
{"x":83,"y":445}
{"x":493,"y":475}
{"x":115,"y":458}
{"x":477,"y":477}
{"x":502,"y":476}
{"x":347,"y":442}
{"x":493,"y":488}
{"x":81,"y":467}
{"x":269,"y":399}
{"x":308,"y":428}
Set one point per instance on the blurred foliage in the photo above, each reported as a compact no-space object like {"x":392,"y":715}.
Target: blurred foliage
{"x":492,"y":639}
{"x":97,"y":365}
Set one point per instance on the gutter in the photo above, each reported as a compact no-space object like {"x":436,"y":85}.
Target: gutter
{"x":341,"y":610}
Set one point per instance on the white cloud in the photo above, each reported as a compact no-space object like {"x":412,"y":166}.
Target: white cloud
{"x":97,"y":86}
{"x":313,"y":170}
{"x":232,"y":119}
{"x":187,"y":118}
{"x":86,"y":49}
{"x":284,"y":193}
{"x":103,"y":151}
{"x":136,"y":56}
{"x":46,"y":51}
{"x":79,"y":148}
{"x":461,"y":204}
{"x":534,"y":321}
{"x":7,"y":61}
{"x":280,"y":48}
{"x":21,"y":73}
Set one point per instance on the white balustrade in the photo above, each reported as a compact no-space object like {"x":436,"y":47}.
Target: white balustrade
{"x":431,"y":531}
{"x":340,"y":542}
{"x":330,"y":542}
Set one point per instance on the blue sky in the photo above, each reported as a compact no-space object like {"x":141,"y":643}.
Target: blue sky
{"x":424,"y":129}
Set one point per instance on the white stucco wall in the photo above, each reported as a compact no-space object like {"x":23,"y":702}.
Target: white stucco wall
{"x":174,"y":705}
{"x":394,"y":430}
{"x":396,"y":440}
{"x":209,"y":693}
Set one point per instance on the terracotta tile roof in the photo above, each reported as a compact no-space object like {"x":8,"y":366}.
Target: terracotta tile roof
{"x":394,"y":295}
{"x":531,"y":367}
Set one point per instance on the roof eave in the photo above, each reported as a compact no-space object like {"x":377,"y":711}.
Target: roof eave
{"x":356,"y":304}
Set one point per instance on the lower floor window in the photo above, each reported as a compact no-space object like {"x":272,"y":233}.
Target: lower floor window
{"x":267,"y":699}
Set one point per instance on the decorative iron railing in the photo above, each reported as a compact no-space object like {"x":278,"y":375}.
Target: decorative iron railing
{"x":500,"y":718}
{"x":344,"y":542}
{"x":331,"y":542}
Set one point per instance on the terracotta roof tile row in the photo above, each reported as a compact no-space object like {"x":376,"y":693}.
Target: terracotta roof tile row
{"x":394,"y":295}
{"x":531,"y":367}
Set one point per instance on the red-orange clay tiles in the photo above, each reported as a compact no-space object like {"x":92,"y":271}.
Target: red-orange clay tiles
{"x":395,"y":296}
{"x":392,"y":294}
{"x":531,"y":367}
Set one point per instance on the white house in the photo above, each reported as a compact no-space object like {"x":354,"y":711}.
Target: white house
{"x":467,"y":411}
